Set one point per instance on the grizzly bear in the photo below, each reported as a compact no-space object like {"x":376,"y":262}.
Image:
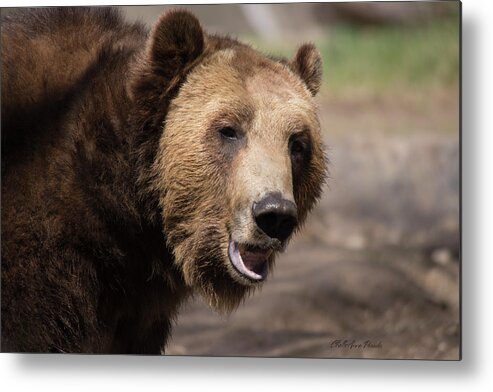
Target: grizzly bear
{"x":140,"y":168}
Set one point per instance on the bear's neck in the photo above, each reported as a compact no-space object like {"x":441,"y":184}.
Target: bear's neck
{"x":113,"y":151}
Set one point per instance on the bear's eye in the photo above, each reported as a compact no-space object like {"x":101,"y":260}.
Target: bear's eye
{"x":229,"y":133}
{"x":300,"y":151}
{"x":296,"y":146}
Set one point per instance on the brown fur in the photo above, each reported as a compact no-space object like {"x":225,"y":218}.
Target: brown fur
{"x":117,"y":196}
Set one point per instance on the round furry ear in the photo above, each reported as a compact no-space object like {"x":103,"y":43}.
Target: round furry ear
{"x":307,"y":63}
{"x":176,"y":40}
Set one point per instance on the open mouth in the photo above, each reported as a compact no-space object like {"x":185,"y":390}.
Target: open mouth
{"x":250,"y":261}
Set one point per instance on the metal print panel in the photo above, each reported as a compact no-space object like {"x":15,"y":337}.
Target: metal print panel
{"x":269,"y":180}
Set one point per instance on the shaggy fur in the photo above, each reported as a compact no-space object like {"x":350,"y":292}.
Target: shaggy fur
{"x":116,"y":199}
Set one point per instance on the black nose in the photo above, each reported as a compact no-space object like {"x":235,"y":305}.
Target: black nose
{"x":276,"y":216}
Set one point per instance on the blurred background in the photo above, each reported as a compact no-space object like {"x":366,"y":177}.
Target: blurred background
{"x":375,"y":272}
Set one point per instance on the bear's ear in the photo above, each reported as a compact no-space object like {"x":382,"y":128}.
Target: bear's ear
{"x":176,"y":40}
{"x":307,"y":63}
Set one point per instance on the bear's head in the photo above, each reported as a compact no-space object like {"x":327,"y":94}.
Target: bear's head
{"x":239,"y":161}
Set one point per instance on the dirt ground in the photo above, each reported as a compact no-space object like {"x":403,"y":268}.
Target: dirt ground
{"x":375,"y":273}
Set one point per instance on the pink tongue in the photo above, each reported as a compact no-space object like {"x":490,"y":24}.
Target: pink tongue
{"x":255,"y":261}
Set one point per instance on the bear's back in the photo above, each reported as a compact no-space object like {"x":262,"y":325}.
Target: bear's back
{"x":49,"y":56}
{"x":64,"y":113}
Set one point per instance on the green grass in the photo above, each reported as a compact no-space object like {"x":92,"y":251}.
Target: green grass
{"x":387,"y":59}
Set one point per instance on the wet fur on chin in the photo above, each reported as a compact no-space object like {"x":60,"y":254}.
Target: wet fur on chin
{"x":206,"y":268}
